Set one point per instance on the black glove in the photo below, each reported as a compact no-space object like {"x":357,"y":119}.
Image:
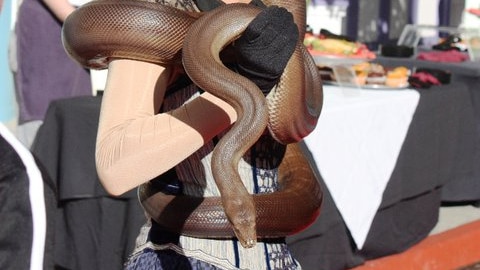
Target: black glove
{"x":266,"y":45}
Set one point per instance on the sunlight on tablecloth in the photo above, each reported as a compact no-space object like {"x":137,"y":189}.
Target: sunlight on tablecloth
{"x":355,"y":146}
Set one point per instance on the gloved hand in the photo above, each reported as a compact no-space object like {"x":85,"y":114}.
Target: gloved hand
{"x":263,"y":50}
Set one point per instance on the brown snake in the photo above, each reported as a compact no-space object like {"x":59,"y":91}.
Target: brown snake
{"x":103,"y":30}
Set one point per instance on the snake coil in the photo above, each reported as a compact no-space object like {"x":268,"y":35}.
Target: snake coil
{"x":103,"y":30}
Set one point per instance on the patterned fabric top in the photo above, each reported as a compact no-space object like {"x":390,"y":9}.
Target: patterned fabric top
{"x":258,"y":169}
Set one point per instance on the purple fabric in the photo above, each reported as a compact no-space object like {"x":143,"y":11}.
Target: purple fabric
{"x":453,"y":56}
{"x":45,"y":71}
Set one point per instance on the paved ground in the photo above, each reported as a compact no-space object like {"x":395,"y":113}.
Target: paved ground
{"x":453,"y":216}
{"x":471,"y":267}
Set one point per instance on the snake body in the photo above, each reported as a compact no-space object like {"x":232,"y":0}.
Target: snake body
{"x":285,"y":212}
{"x":104,"y":30}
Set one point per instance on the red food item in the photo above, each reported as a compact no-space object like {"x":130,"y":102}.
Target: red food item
{"x":427,"y":77}
{"x":322,"y":46}
{"x":452,"y":56}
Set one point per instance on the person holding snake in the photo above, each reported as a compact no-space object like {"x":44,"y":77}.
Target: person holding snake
{"x":158,"y":130}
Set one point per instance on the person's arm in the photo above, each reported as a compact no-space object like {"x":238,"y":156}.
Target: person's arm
{"x":61,"y":8}
{"x":134,"y":144}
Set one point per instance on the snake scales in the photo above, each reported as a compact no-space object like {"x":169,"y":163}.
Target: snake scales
{"x":103,"y":30}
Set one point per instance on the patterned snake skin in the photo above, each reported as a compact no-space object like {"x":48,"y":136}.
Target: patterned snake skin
{"x":103,"y":30}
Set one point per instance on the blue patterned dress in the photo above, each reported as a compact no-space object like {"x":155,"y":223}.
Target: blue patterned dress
{"x":157,"y":249}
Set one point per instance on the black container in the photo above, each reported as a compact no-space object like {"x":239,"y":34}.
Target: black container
{"x":396,"y":51}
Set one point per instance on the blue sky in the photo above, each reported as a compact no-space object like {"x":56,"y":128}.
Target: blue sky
{"x":7,"y":96}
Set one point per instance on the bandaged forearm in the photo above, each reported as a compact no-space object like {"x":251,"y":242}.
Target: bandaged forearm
{"x":134,"y":144}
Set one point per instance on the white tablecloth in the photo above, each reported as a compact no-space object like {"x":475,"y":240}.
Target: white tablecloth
{"x":355,"y":146}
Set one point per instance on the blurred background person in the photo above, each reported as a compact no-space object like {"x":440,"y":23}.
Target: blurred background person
{"x":27,"y":209}
{"x":43,"y":72}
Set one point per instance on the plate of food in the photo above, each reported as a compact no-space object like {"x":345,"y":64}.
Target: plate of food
{"x":368,"y":86}
{"x":367,"y":75}
{"x":332,"y":51}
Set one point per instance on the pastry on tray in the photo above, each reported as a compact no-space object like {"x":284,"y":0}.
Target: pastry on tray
{"x":372,"y":74}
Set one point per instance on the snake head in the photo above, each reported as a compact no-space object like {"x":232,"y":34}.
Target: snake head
{"x":246,"y":233}
{"x":240,"y":211}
